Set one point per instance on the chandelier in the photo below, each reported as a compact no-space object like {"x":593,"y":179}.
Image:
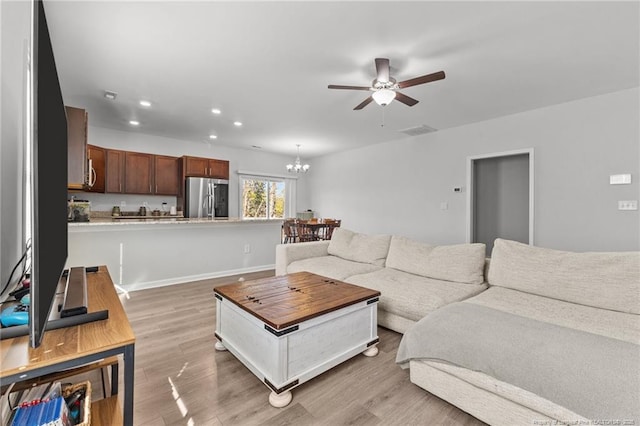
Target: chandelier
{"x":298,"y":167}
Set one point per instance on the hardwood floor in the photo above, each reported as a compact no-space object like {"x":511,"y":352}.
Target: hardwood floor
{"x":181,"y":380}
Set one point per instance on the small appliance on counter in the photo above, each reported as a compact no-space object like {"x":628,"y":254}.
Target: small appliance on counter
{"x":306,"y":215}
{"x":78,"y":210}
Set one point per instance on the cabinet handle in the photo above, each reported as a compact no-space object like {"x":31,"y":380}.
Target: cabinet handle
{"x":120,"y":187}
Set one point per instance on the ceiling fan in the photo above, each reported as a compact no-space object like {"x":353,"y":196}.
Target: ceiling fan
{"x":385,"y":88}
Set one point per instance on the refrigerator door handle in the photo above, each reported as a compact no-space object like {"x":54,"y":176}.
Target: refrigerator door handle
{"x":210,"y":200}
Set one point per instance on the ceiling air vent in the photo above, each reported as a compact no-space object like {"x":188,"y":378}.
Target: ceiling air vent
{"x":418,"y":130}
{"x":110,"y":95}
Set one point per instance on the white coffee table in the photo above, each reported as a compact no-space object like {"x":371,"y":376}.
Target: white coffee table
{"x":289,"y":329}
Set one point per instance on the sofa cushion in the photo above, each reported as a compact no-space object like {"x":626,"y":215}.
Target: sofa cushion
{"x":412,"y":296}
{"x":359,"y":247}
{"x":605,"y":322}
{"x":602,"y":280}
{"x":331,"y":266}
{"x":463,"y":263}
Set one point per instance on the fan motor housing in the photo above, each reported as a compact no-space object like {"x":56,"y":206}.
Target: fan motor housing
{"x":391,"y":84}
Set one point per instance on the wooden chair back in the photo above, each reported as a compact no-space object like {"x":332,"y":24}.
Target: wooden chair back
{"x":305,"y":233}
{"x":330,"y":225}
{"x":289,"y":231}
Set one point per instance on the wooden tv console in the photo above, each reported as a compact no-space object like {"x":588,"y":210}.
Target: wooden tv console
{"x":77,"y":345}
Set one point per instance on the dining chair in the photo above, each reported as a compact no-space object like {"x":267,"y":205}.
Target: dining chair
{"x":305,"y":233}
{"x":330,"y":225}
{"x":289,"y":231}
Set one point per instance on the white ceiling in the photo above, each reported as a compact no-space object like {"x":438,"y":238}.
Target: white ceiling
{"x":268,"y":65}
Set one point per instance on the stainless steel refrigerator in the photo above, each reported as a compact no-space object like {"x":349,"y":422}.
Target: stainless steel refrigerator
{"x":205,"y":197}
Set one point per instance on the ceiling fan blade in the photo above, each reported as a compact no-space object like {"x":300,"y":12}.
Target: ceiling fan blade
{"x":334,"y":86}
{"x":364,"y":103}
{"x":407,"y":100}
{"x":382,"y":69}
{"x":421,"y":80}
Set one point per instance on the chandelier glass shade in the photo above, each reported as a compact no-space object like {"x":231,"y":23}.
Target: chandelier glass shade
{"x":298,"y":167}
{"x":383,"y":96}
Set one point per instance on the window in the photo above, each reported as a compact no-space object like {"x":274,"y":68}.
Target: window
{"x":263,"y":198}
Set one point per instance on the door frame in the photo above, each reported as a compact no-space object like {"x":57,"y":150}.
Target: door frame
{"x":470,"y":187}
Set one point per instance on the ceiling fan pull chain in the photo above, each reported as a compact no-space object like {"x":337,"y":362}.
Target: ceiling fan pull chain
{"x":382,"y":125}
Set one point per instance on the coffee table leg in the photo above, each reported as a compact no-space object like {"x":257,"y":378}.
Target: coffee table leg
{"x":280,"y":400}
{"x":219,"y":346}
{"x":372,"y":351}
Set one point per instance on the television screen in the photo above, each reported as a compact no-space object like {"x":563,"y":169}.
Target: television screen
{"x":49,"y":178}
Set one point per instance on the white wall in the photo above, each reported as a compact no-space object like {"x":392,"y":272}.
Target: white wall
{"x":151,"y":255}
{"x":239,"y":159}
{"x":397,"y":187}
{"x":15,"y":18}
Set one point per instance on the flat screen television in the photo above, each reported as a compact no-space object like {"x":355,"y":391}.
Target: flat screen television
{"x":49,"y":247}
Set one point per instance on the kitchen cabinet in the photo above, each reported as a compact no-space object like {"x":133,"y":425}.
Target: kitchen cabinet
{"x":76,"y":147}
{"x":97,"y":163}
{"x":196,"y":166}
{"x":138,"y":173}
{"x":219,"y":169}
{"x":114,"y":173}
{"x":205,"y":167}
{"x":166,"y":175}
{"x":141,"y":173}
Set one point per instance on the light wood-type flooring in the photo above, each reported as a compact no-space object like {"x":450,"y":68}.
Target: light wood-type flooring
{"x":181,"y":380}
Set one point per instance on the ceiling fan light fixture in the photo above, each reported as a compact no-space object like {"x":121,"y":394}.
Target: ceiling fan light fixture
{"x":383,"y":97}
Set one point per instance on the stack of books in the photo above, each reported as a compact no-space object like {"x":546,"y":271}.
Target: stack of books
{"x":53,"y":412}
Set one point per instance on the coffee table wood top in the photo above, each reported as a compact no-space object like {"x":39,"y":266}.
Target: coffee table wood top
{"x":286,"y":300}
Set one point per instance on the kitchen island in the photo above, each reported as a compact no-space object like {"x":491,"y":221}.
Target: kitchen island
{"x":152,"y":252}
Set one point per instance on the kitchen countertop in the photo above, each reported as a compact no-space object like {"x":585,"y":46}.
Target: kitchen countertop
{"x":150,"y":220}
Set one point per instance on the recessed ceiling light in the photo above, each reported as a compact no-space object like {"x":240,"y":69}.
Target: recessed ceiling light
{"x":213,"y":137}
{"x":256,"y":147}
{"x":216,"y":111}
{"x":145,"y":103}
{"x":237,"y":123}
{"x":134,"y":123}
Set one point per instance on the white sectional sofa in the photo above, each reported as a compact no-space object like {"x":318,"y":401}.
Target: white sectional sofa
{"x":414,"y":278}
{"x":554,"y":340}
{"x":549,"y":337}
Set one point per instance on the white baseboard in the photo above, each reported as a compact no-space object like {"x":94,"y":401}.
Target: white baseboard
{"x":190,"y":278}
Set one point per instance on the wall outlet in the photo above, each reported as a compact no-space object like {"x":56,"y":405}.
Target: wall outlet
{"x":247,"y":248}
{"x":628,"y":205}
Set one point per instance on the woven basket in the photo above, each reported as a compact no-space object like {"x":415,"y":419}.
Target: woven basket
{"x":86,"y":409}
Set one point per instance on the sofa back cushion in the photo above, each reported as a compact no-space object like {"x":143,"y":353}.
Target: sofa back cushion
{"x":463,"y":263}
{"x":602,"y":280}
{"x":359,"y":247}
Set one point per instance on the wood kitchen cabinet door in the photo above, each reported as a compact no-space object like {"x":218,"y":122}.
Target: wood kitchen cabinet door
{"x":97,"y":157}
{"x":205,"y":167}
{"x":196,"y":166}
{"x":76,"y":147}
{"x":138,"y":173}
{"x":167,"y":178}
{"x":219,"y":169}
{"x":114,"y":173}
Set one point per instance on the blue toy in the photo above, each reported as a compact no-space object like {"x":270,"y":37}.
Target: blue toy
{"x":15,"y":315}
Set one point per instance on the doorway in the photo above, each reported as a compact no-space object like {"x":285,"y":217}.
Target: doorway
{"x":500,"y":197}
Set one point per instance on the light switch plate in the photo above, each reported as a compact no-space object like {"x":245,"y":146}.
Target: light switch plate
{"x":628,"y":205}
{"x":624,"y":179}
